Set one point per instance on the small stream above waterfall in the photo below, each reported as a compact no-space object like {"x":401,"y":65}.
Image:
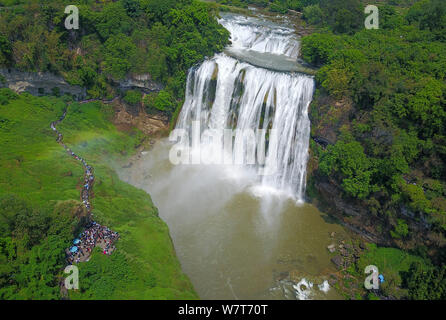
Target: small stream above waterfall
{"x":237,"y":217}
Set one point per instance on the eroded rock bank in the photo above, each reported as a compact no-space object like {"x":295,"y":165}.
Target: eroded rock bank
{"x":39,"y":83}
{"x":127,"y":117}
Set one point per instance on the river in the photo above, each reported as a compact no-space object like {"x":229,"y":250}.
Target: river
{"x":241,"y":233}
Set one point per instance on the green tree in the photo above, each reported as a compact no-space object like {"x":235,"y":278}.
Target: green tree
{"x":133,"y":97}
{"x":348,"y":160}
{"x":313,"y":14}
{"x":5,"y":51}
{"x":318,"y":48}
{"x":113,"y":20}
{"x":161,"y":101}
{"x":401,"y":230}
{"x":425,"y":282}
{"x":343,"y":16}
{"x":120,"y":51}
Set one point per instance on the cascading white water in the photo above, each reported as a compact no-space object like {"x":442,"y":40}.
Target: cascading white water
{"x":232,"y":229}
{"x":225,"y":93}
{"x":253,"y":34}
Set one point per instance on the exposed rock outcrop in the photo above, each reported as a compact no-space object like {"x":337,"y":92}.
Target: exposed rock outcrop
{"x":338,"y":261}
{"x":352,"y":214}
{"x":148,"y":124}
{"x":143,"y":82}
{"x":39,"y":83}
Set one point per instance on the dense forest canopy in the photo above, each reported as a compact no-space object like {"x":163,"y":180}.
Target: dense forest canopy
{"x":383,"y":93}
{"x":163,"y":38}
{"x":395,"y":79}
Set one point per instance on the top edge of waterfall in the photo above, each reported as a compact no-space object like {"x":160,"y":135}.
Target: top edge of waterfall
{"x":260,"y":19}
{"x":264,"y":44}
{"x":298,"y":69}
{"x":285,"y":66}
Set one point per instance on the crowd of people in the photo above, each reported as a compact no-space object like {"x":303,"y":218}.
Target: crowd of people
{"x":94,"y":235}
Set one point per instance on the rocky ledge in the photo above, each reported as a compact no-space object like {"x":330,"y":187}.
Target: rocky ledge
{"x":39,"y":83}
{"x":142,"y":82}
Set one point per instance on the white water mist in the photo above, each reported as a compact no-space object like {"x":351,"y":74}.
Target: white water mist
{"x":225,"y":93}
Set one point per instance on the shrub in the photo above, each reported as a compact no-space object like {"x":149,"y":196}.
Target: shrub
{"x":133,"y":97}
{"x":416,"y":198}
{"x":401,"y":230}
{"x":425,"y":282}
{"x":348,"y":160}
{"x":278,"y":7}
{"x":317,"y":48}
{"x":313,"y":14}
{"x":7,"y":95}
{"x":161,"y":101}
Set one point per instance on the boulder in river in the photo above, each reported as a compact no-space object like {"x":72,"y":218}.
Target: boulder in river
{"x":338,"y":261}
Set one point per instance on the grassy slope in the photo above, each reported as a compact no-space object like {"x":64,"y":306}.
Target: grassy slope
{"x":391,"y":263}
{"x":36,"y":168}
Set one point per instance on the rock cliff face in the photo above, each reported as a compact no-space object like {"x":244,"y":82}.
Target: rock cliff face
{"x":360,"y":217}
{"x":39,"y":83}
{"x":43,"y":83}
{"x":351,"y":213}
{"x":143,"y":82}
{"x":151,"y":125}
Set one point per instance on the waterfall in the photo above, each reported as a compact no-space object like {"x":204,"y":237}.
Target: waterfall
{"x":261,"y":36}
{"x":225,"y":93}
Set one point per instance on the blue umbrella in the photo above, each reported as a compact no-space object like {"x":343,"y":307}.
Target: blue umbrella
{"x":73,"y":249}
{"x":381,"y":278}
{"x":76,"y":241}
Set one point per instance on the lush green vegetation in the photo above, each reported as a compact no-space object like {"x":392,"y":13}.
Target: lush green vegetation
{"x":395,"y":80}
{"x":395,"y":265}
{"x":40,"y":210}
{"x":407,"y":276}
{"x":425,"y":282}
{"x":381,"y":98}
{"x":163,"y":38}
{"x":161,"y":101}
{"x":133,"y":97}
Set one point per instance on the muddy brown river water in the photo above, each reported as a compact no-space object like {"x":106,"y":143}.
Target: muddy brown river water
{"x":231,"y":240}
